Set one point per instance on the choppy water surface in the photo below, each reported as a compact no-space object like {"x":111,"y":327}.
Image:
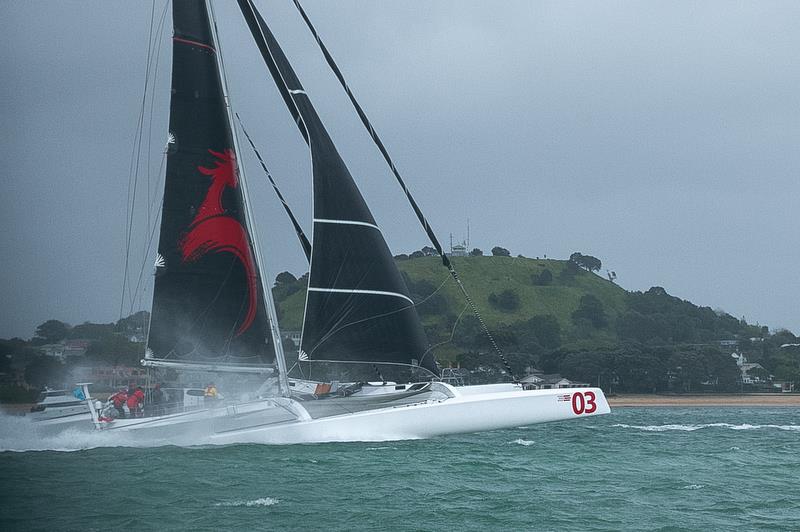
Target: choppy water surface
{"x":636,"y":469}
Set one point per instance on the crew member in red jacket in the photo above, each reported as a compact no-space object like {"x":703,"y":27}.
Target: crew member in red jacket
{"x":119,"y":399}
{"x":135,"y":402}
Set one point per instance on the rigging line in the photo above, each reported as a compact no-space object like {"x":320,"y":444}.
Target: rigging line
{"x":254,"y":22}
{"x":157,"y":55}
{"x":337,"y":329}
{"x":134,"y":173}
{"x":452,"y":334}
{"x":421,"y":217}
{"x":151,"y":238}
{"x":297,"y":229}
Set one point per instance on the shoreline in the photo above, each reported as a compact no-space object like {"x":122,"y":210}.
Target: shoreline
{"x":732,"y":399}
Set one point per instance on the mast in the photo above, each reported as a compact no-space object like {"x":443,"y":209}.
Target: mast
{"x":272,"y":315}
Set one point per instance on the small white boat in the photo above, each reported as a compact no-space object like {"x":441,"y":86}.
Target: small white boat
{"x":60,"y":409}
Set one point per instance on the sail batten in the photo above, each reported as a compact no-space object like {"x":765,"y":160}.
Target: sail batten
{"x":346,"y":222}
{"x":360,"y":291}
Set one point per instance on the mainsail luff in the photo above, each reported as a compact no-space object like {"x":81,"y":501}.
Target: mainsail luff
{"x":208,"y":299}
{"x":358,"y":308}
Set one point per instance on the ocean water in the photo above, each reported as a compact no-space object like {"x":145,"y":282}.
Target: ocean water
{"x":636,"y":469}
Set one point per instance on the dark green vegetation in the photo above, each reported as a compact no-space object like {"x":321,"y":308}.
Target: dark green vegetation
{"x":50,"y":357}
{"x":554,"y":315}
{"x":558,"y":316}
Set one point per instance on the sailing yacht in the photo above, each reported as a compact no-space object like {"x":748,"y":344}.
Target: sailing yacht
{"x":364,"y":369}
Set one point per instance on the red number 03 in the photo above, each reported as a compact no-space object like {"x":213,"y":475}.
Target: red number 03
{"x":583,"y":403}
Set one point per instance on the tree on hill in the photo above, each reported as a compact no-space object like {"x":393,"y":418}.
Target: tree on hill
{"x":547,"y":330}
{"x":135,"y":323}
{"x":569,"y":272}
{"x":427,"y":300}
{"x":286,"y":284}
{"x":285,"y":278}
{"x":476,"y":253}
{"x":591,"y":309}
{"x":497,"y":251}
{"x":428,"y":251}
{"x":591,"y":264}
{"x":656,"y":314}
{"x":543,"y":278}
{"x":721,"y":369}
{"x":92,"y":331}
{"x":117,"y":350}
{"x":507,"y":300}
{"x":44,"y":370}
{"x":52,"y":331}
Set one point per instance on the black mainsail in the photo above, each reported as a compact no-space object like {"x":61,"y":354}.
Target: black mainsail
{"x":208,"y":302}
{"x":358,"y":308}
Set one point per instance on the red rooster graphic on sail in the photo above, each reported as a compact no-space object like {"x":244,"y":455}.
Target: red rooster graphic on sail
{"x":212,"y":231}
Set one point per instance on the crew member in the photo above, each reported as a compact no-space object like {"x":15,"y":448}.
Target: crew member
{"x":118,"y":400}
{"x":135,"y":402}
{"x":211,"y":394}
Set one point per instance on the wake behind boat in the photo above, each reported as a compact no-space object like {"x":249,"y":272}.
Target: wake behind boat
{"x":364,"y":369}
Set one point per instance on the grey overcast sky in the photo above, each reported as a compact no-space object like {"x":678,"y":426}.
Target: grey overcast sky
{"x":661,"y":137}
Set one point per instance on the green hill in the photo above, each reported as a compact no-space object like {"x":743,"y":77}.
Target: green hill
{"x":559,"y":317}
{"x":486,"y":275}
{"x":653,"y":316}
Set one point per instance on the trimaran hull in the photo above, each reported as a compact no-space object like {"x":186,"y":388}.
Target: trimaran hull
{"x":286,"y":421}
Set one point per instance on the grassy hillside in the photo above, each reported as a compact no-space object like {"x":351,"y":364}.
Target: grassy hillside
{"x":653,"y":317}
{"x":483,"y":276}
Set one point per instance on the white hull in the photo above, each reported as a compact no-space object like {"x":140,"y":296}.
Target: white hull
{"x":286,"y":421}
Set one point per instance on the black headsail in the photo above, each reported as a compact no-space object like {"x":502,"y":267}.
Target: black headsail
{"x":358,"y":308}
{"x":208,"y":301}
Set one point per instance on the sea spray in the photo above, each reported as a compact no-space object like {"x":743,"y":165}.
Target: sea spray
{"x":263,"y":501}
{"x":21,"y":433}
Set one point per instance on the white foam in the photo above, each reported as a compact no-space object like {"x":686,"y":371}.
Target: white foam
{"x":520,"y":441}
{"x":263,"y":501}
{"x":690,"y":428}
{"x":693,"y":487}
{"x":21,"y":433}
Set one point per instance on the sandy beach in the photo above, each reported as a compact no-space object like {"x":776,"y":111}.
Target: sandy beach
{"x":749,"y":399}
